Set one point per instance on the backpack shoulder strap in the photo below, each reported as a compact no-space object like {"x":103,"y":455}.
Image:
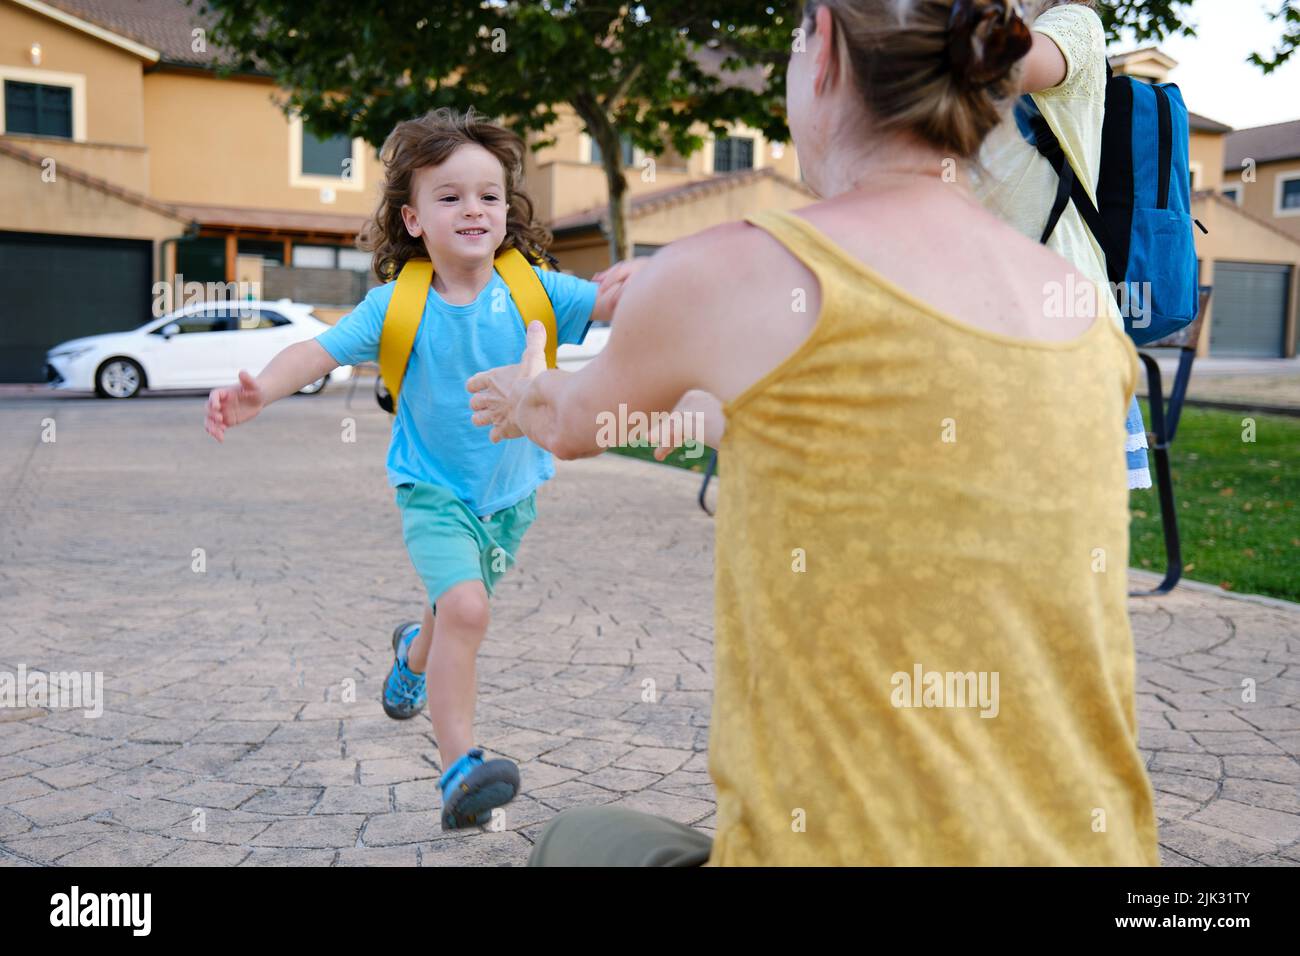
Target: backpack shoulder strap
{"x":406,"y":309}
{"x":529,"y":295}
{"x":1064,"y":179}
{"x":402,"y":321}
{"x":1069,"y":187}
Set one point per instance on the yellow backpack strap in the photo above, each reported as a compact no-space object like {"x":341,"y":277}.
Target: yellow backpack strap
{"x":401,"y":321}
{"x":529,"y":295}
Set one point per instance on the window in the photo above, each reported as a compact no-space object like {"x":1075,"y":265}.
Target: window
{"x":331,"y":257}
{"x":326,"y":157}
{"x":202,"y":260}
{"x":314,"y":257}
{"x":217,"y":319}
{"x":1288,"y":194}
{"x":271,"y":251}
{"x":354,"y":260}
{"x":1233,"y":193}
{"x":260,"y":319}
{"x":326,"y":165}
{"x":625,"y":145}
{"x":38,"y":109}
{"x":732,"y":153}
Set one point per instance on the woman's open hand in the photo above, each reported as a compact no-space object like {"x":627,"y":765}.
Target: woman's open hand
{"x":497,"y":392}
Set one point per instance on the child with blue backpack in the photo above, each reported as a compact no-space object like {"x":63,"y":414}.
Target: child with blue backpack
{"x":452,"y":195}
{"x":1065,"y":79}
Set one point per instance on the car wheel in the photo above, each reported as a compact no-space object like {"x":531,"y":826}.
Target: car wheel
{"x":119,"y":378}
{"x":314,"y":387}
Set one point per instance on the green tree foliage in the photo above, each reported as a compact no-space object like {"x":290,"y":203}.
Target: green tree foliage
{"x":652,"y":71}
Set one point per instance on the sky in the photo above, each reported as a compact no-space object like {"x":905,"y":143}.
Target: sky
{"x":1212,"y":72}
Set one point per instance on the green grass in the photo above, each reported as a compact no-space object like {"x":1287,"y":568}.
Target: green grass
{"x":1238,"y":502}
{"x":677,"y":458}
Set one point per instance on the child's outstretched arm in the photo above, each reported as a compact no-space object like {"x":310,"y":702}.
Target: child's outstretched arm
{"x":298,"y":365}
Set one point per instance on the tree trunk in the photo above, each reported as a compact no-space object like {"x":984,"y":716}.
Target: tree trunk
{"x":603,"y":133}
{"x":619,"y":244}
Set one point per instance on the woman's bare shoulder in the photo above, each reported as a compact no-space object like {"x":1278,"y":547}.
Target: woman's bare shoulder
{"x":725,"y":245}
{"x":722,"y":263}
{"x":721,"y":297}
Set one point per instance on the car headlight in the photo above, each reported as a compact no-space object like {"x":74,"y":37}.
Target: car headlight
{"x":71,"y":354}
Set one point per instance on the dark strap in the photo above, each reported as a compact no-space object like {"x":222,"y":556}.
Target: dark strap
{"x":1064,"y":187}
{"x":1115,"y":270}
{"x":1050,"y":149}
{"x":1166,"y":146}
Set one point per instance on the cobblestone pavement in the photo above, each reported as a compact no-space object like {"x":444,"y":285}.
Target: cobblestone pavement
{"x":230,"y":734}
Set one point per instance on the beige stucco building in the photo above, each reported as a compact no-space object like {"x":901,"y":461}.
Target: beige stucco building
{"x":123,"y":151}
{"x":126,"y":158}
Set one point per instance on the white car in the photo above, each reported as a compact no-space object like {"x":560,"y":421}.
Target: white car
{"x":573,"y":357}
{"x":199,"y":346}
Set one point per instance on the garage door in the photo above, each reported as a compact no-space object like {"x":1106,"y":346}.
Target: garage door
{"x":1249,"y":312}
{"x":55,"y":288}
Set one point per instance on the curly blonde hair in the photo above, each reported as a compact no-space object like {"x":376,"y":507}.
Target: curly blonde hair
{"x":428,"y":141}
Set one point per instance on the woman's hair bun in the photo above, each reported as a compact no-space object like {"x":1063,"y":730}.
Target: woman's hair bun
{"x":986,"y":38}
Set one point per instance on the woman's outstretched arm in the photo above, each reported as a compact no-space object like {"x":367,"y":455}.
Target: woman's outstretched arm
{"x":662,"y":343}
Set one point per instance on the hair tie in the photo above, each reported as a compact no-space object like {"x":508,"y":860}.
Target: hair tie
{"x":1002,"y":34}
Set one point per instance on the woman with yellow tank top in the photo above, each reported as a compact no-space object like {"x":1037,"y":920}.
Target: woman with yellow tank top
{"x":923,"y":654}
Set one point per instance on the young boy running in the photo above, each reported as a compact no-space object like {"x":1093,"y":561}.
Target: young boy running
{"x":452,"y":193}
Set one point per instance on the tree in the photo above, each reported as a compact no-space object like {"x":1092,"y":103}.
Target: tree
{"x":360,"y":69}
{"x":1145,"y":19}
{"x":1289,"y":14}
{"x":1156,"y":19}
{"x":626,"y":69}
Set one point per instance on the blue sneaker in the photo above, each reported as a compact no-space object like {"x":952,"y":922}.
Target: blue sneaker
{"x":403,"y":630}
{"x":471,"y":787}
{"x":404,"y":693}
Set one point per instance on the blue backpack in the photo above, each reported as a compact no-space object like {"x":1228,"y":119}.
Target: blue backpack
{"x":1144,"y":223}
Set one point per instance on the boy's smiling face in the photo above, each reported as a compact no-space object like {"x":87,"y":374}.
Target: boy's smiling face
{"x":459,"y":207}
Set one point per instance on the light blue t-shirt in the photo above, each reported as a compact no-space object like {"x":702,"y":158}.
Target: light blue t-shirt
{"x":434,"y":439}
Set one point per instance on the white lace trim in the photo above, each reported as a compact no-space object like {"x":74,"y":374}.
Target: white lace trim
{"x":1136,"y":442}
{"x":1139,"y":478}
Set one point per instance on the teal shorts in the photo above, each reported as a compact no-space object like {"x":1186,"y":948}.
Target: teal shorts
{"x":448,"y":543}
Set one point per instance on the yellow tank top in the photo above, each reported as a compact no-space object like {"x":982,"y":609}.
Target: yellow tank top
{"x":923,"y":653}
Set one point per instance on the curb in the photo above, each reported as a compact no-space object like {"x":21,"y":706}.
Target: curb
{"x":1216,"y":591}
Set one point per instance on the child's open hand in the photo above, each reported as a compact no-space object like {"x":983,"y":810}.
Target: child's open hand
{"x":612,"y":282}
{"x":233,"y":405}
{"x":621,"y":271}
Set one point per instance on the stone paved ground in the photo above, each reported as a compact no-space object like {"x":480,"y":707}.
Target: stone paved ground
{"x":226,"y":689}
{"x":1270,"y":383}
